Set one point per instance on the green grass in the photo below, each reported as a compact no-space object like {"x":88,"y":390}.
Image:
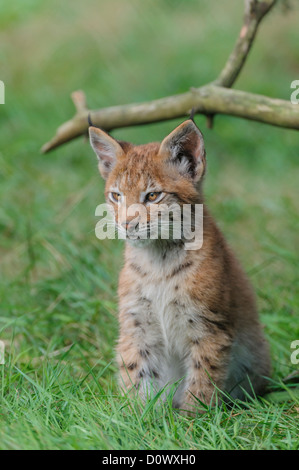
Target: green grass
{"x":58,"y":309}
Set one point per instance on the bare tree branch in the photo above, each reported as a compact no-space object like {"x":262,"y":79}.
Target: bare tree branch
{"x":255,"y":10}
{"x":211,"y":99}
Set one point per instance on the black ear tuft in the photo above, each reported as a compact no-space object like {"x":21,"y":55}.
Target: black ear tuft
{"x":90,"y":121}
{"x":91,"y":124}
{"x":192,"y":114}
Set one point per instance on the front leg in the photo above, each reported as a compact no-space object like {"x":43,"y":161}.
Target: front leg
{"x":208,"y":364}
{"x":137,"y":356}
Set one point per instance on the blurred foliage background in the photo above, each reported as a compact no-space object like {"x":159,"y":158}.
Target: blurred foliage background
{"x":57,"y":281}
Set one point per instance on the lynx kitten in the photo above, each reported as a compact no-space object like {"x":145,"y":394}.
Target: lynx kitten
{"x":185,"y":316}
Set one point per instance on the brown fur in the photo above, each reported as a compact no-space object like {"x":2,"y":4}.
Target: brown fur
{"x":187,"y":315}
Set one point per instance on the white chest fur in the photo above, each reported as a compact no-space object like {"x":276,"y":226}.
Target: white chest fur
{"x":164,"y":309}
{"x":168,"y":315}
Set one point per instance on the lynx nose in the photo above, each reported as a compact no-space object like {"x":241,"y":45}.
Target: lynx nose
{"x":130,"y":225}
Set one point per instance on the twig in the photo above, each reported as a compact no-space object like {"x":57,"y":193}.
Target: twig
{"x":255,"y":10}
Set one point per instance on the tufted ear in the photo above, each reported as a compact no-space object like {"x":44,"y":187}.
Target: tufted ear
{"x":184,"y":147}
{"x":107,"y":149}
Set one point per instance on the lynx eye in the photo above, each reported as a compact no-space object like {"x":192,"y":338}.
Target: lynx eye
{"x":152,"y":197}
{"x":115,"y":196}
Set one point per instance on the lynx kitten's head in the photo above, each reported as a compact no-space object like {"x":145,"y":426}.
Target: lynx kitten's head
{"x":142,"y":181}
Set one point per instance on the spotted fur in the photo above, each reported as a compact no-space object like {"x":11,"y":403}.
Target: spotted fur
{"x":185,"y":317}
